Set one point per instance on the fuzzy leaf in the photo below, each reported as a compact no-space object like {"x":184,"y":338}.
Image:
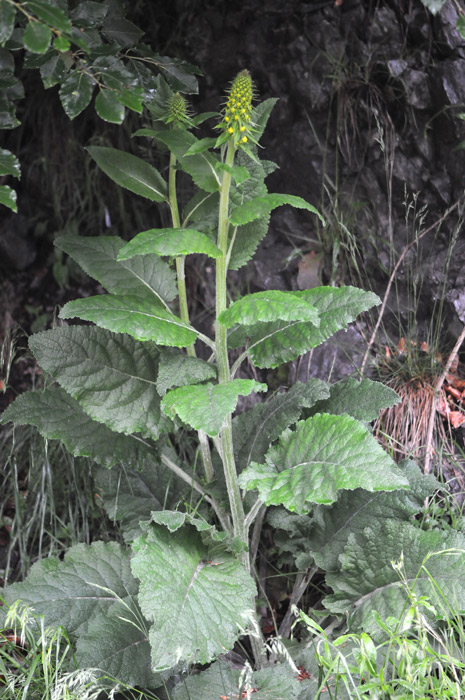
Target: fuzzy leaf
{"x":248,"y":237}
{"x":57,"y":416}
{"x":75,"y":93}
{"x":143,"y":277}
{"x":131,"y":496}
{"x":112,"y":376}
{"x":322,"y":456}
{"x":129,"y":314}
{"x":362,"y":400}
{"x":367,"y":581}
{"x":37,"y":37}
{"x":269,"y":306}
{"x":238,"y":172}
{"x":222,"y":680}
{"x":67,"y":592}
{"x":201,"y":166}
{"x":356,"y":510}
{"x":197,"y":599}
{"x":205,"y":406}
{"x":115,"y":643}
{"x":9,"y":164}
{"x":262,"y":206}
{"x":130,"y":172}
{"x":108,"y":107}
{"x":8,"y":198}
{"x":169,"y":241}
{"x":271,"y":344}
{"x":256,"y":429}
{"x":177,"y":369}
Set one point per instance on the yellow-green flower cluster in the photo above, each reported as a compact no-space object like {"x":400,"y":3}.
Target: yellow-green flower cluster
{"x":238,"y":109}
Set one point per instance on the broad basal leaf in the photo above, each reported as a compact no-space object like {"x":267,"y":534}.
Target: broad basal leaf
{"x":72,"y":592}
{"x":362,"y":400}
{"x":176,"y":369}
{"x":256,"y":429}
{"x":324,"y":455}
{"x":148,"y":277}
{"x":205,"y":406}
{"x":355,"y":510}
{"x":271,"y":344}
{"x":262,"y":206}
{"x":169,"y":241}
{"x":112,"y":376}
{"x":368,"y":582}
{"x":117,"y":643}
{"x":130,"y":172}
{"x":57,"y":416}
{"x":222,"y":680}
{"x":268,"y":306}
{"x":129,"y":314}
{"x":198,"y":601}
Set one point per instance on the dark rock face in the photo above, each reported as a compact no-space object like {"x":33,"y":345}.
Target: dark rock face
{"x":366,"y":124}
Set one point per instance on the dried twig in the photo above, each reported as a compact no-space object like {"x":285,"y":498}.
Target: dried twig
{"x":393,"y":275}
{"x":300,"y":585}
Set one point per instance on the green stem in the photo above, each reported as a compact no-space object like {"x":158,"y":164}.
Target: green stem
{"x":180,"y":261}
{"x":183,"y":308}
{"x":240,"y":528}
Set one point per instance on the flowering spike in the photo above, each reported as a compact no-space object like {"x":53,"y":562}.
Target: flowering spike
{"x":236,"y":114}
{"x":177,"y":112}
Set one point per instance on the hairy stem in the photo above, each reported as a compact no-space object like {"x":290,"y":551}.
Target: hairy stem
{"x":224,"y":375}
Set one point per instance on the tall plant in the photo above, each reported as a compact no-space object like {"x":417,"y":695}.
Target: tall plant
{"x":149,"y":397}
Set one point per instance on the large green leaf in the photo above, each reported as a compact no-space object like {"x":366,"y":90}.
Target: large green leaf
{"x":361,"y":399}
{"x":205,"y":406}
{"x":129,"y":314}
{"x":37,"y":37}
{"x":130,"y":172}
{"x":109,"y":107}
{"x":262,"y":206}
{"x":224,"y":681}
{"x":117,"y":643}
{"x":177,"y":369}
{"x":355,"y":510}
{"x":112,"y":376}
{"x":169,"y":241}
{"x":256,"y":429}
{"x":199,"y":598}
{"x":57,"y":416}
{"x":92,"y":593}
{"x":75,"y":93}
{"x":71,"y":592}
{"x":143,"y":277}
{"x":271,"y":344}
{"x":269,"y":306}
{"x":322,"y":456}
{"x":367,"y":581}
{"x":7,"y":20}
